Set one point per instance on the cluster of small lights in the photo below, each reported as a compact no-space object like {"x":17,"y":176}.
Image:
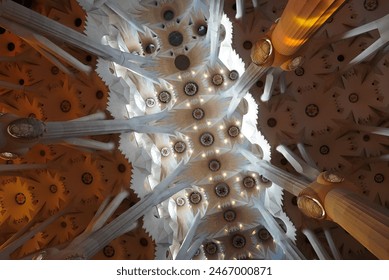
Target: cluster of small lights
{"x":209,"y":137}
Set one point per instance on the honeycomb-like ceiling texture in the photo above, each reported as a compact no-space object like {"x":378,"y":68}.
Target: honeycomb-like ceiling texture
{"x":181,"y":180}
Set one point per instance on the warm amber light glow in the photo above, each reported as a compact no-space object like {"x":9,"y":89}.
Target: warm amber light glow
{"x":299,"y":21}
{"x":292,"y":42}
{"x":306,"y":22}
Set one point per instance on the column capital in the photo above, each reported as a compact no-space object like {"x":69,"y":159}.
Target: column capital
{"x":311,"y":200}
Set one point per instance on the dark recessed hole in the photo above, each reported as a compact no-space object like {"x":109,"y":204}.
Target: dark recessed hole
{"x":353,"y":97}
{"x":198,"y":113}
{"x":53,"y":188}
{"x":214,"y":165}
{"x":202,"y":30}
{"x":222,"y":189}
{"x":247,"y":45}
{"x":195,"y":197}
{"x":150,"y":48}
{"x":312,"y":110}
{"x":238,"y":241}
{"x":264,"y":234}
{"x":143,"y":241}
{"x":20,"y":198}
{"x":233,"y":75}
{"x":379,"y":178}
{"x":249,"y":182}
{"x":233,"y":131}
{"x":87,"y":178}
{"x":2,"y":30}
{"x":217,"y":79}
{"x":179,"y":147}
{"x":108,"y":251}
{"x":191,"y":88}
{"x":175,"y":38}
{"x":271,"y":122}
{"x":299,"y":71}
{"x":121,"y":168}
{"x":259,"y":84}
{"x":324,"y":149}
{"x":65,"y":106}
{"x":77,"y":22}
{"x":11,"y":46}
{"x":229,"y":215}
{"x":21,"y":82}
{"x":206,"y":139}
{"x":210,"y":248}
{"x":164,"y":96}
{"x":340,"y":58}
{"x":182,"y":62}
{"x":370,"y":5}
{"x":168,"y":15}
{"x":54,"y":70}
{"x":99,"y":94}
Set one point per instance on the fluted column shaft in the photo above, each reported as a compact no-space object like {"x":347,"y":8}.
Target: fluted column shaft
{"x":299,"y":20}
{"x":365,"y":221}
{"x":289,"y":182}
{"x":332,"y":198}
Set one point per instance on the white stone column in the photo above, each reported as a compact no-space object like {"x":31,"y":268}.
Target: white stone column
{"x":289,"y":182}
{"x":365,"y":221}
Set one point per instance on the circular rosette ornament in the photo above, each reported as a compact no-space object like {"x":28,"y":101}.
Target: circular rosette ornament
{"x":62,"y":104}
{"x":137,"y":245}
{"x":159,"y":14}
{"x":213,"y":250}
{"x":39,"y":153}
{"x":221,"y":194}
{"x":115,"y":169}
{"x":238,"y":245}
{"x":359,"y":95}
{"x":250,"y":184}
{"x":24,"y":107}
{"x":196,"y":199}
{"x":174,"y":37}
{"x":16,"y":201}
{"x":84,"y":179}
{"x":216,"y":166}
{"x":230,"y":219}
{"x":331,"y":156}
{"x":48,"y":191}
{"x":175,"y":65}
{"x":64,"y":229}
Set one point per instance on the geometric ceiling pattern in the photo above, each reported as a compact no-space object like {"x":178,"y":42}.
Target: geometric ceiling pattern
{"x":157,"y":128}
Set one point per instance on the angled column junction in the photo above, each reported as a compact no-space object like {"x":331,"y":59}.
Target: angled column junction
{"x":332,"y":198}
